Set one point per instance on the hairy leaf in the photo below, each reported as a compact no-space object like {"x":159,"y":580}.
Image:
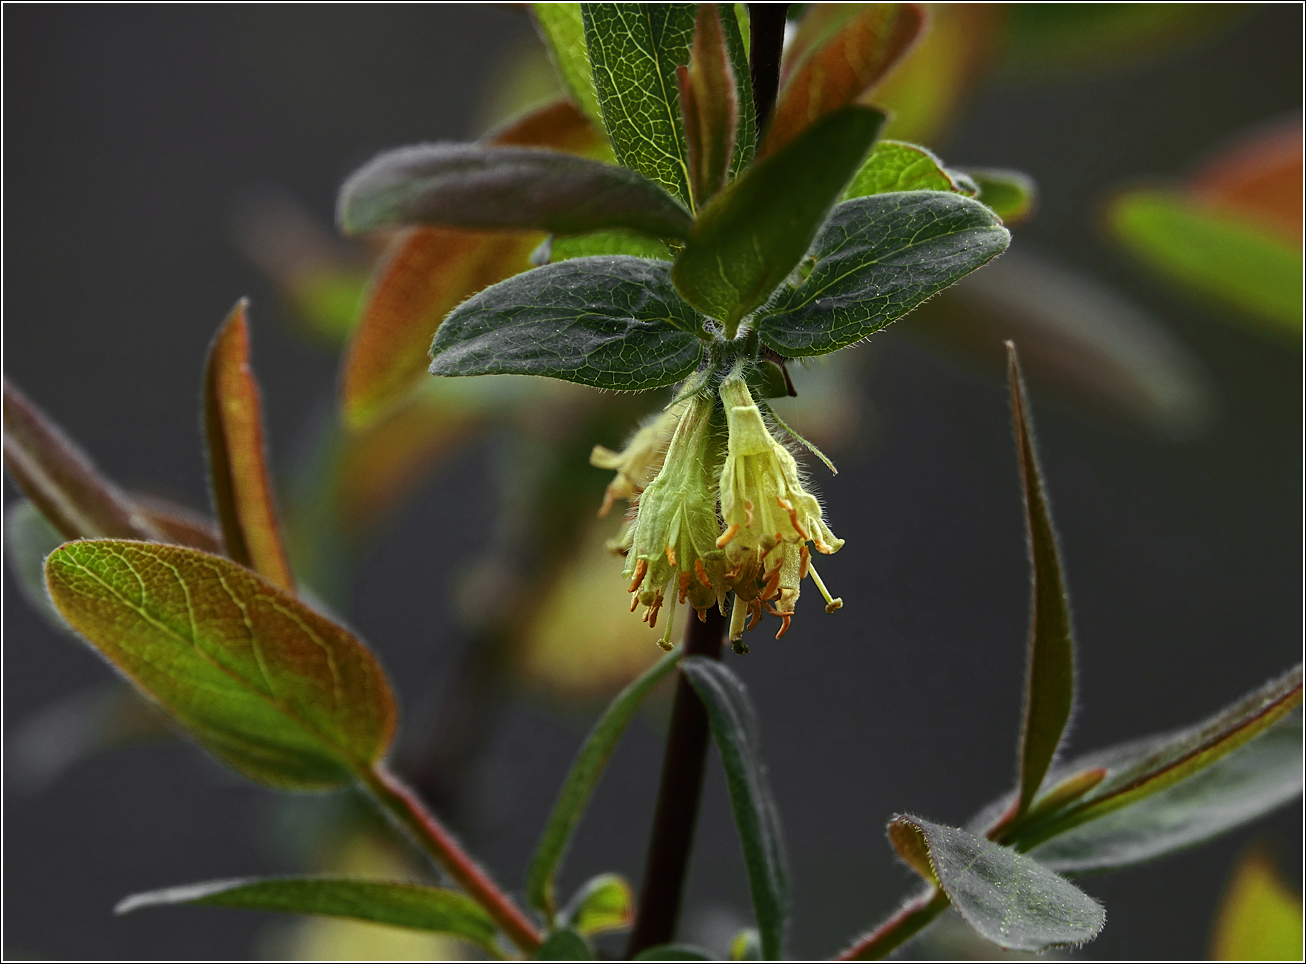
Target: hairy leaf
{"x":709,"y":106}
{"x":1167,"y":792}
{"x":238,"y":472}
{"x":1212,"y":252}
{"x":1050,"y":664}
{"x":607,"y":242}
{"x":564,"y":944}
{"x":581,"y":781}
{"x":734,"y":25}
{"x":61,"y":480}
{"x":898,"y":166}
{"x":634,"y":50}
{"x":1011,"y":195}
{"x":563,"y":31}
{"x":264,"y":683}
{"x":1011,"y":899}
{"x":734,"y":726}
{"x":839,"y":52}
{"x":611,"y":323}
{"x":877,"y":259}
{"x":755,"y":232}
{"x":504,"y":188}
{"x":429,"y":271}
{"x":605,"y":903}
{"x":399,"y":905}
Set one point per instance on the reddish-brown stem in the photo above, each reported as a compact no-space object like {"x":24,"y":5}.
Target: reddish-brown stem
{"x":402,"y":805}
{"x":898,"y":929}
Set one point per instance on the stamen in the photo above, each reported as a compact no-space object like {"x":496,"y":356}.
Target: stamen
{"x":772,"y":583}
{"x":737,"y":616}
{"x":671,"y":554}
{"x":755,"y":607}
{"x":793,"y":518}
{"x":784,"y":625}
{"x":723,"y":540}
{"x":805,"y":555}
{"x":748,"y":510}
{"x":634,"y":601}
{"x":702,"y":615}
{"x":830,"y":604}
{"x":653,"y":612}
{"x":640,"y":569}
{"x":609,"y":497}
{"x":702,"y":573}
{"x":684,"y":584}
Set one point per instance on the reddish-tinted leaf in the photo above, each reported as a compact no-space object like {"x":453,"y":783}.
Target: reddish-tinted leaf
{"x":430,"y":271}
{"x":238,"y":474}
{"x":260,"y":680}
{"x":709,"y":106}
{"x":180,"y":525}
{"x":1260,"y":177}
{"x":839,"y":53}
{"x":62,"y":481}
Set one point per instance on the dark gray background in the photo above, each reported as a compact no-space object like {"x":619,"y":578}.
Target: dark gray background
{"x":130,"y":134}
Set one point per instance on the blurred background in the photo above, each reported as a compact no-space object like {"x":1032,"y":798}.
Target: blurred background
{"x":162,"y":162}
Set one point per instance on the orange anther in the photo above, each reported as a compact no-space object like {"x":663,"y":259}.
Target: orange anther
{"x":671,"y":554}
{"x":806,"y":556}
{"x":723,"y":540}
{"x":748,"y":510}
{"x":784,"y":626}
{"x":793,"y":518}
{"x":640,"y":569}
{"x":702,"y":573}
{"x":684,"y":585}
{"x":755,"y":607}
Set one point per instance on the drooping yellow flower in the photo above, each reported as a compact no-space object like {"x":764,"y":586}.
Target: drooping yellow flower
{"x":640,"y":461}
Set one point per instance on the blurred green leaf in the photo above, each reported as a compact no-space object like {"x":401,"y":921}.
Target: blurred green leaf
{"x":607,"y":242}
{"x":1010,"y":899}
{"x":563,"y":31}
{"x":564,"y":944}
{"x":604,"y":903}
{"x":838,"y":53}
{"x":755,"y":232}
{"x":504,"y":188}
{"x":634,"y":50}
{"x":1210,"y":252}
{"x":581,"y":781}
{"x":674,"y":952}
{"x":61,"y":480}
{"x":1168,"y":792}
{"x":1050,"y":665}
{"x":877,"y":258}
{"x":329,"y":301}
{"x":734,"y":727}
{"x":1061,"y":37}
{"x":238,"y":472}
{"x":606,"y":322}
{"x":899,"y":166}
{"x":746,"y":946}
{"x":400,"y":905}
{"x":1260,"y":918}
{"x":252,"y":674}
{"x":1011,"y":195}
{"x":29,"y":538}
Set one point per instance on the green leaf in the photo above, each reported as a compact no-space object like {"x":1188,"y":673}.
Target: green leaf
{"x":1211,"y":252}
{"x":400,"y":905}
{"x":606,"y":242}
{"x":737,"y":47}
{"x":1011,"y":195}
{"x":899,"y":166}
{"x":581,"y":781}
{"x":61,"y":480}
{"x":257,"y":678}
{"x":634,"y":50}
{"x":1167,"y":792}
{"x":605,"y":903}
{"x":504,"y":188}
{"x":613,"y":323}
{"x":563,"y":31}
{"x":1050,"y":666}
{"x":734,"y":726}
{"x":877,"y":259}
{"x":756,"y":231}
{"x":1011,"y":899}
{"x":564,"y":944}
{"x":674,"y":952}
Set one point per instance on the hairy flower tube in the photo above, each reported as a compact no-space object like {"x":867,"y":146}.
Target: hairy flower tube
{"x":673,"y":542}
{"x":641,"y":459}
{"x":769,"y":517}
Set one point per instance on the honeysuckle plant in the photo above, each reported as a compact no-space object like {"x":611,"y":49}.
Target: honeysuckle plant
{"x":709,"y":206}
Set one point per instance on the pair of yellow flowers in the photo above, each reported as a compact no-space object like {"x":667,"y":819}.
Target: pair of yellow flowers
{"x":725,"y":511}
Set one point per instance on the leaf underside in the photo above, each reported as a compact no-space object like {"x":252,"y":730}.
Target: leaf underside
{"x":610,"y":322}
{"x":876,"y":259}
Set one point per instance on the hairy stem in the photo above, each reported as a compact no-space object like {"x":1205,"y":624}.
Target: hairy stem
{"x":678,"y":799}
{"x":402,"y":805}
{"x":766,"y":37}
{"x":898,"y":929}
